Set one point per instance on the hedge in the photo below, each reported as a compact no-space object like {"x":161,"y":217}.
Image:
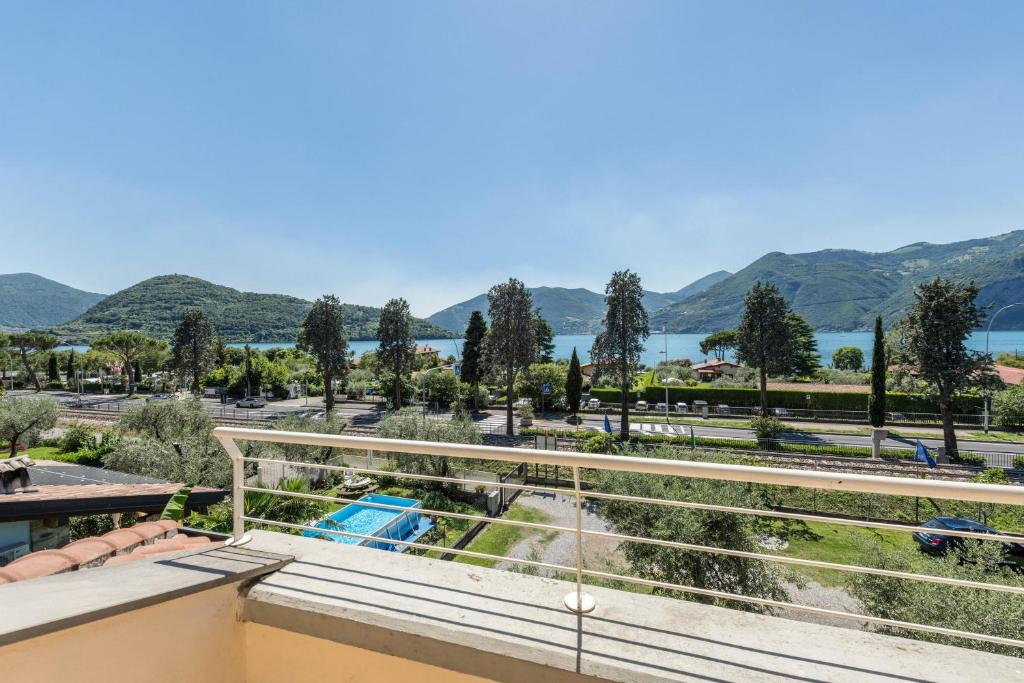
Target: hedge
{"x":788,"y":398}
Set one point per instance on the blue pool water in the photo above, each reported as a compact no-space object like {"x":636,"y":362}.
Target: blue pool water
{"x":394,"y":525}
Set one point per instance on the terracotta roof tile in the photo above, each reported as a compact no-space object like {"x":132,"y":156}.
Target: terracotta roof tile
{"x":124,"y":539}
{"x":88,"y":551}
{"x":83,"y":491}
{"x":40,"y":563}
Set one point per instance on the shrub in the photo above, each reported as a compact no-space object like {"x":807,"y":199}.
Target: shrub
{"x":967,"y":459}
{"x":767,"y":430}
{"x":1018,"y":462}
{"x":77,"y":437}
{"x":848,"y":358}
{"x":598,"y":443}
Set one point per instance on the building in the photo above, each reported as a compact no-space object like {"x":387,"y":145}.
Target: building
{"x":712,"y":370}
{"x":36,"y":517}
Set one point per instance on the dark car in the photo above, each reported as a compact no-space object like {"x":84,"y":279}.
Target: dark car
{"x":938,"y":544}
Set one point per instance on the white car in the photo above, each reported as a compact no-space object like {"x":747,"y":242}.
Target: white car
{"x":594,"y":404}
{"x":662,"y":407}
{"x":251,"y":402}
{"x":682,"y":407}
{"x":641,"y":405}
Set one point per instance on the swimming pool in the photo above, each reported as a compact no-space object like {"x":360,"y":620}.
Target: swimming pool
{"x":394,"y":525}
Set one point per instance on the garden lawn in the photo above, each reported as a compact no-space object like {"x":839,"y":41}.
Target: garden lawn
{"x":497,"y":539}
{"x":843,"y":545}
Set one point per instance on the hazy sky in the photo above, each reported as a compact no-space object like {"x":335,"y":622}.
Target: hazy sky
{"x":430,"y":149}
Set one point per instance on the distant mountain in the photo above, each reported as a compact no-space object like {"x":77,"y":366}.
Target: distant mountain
{"x":155,"y":307}
{"x":29,"y":301}
{"x":843,"y":289}
{"x":569,"y":311}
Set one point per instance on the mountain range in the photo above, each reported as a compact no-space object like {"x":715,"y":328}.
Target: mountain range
{"x":30,"y":301}
{"x":155,"y":306}
{"x":571,"y":311}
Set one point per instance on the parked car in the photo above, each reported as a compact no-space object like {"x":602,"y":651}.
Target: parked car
{"x":780,"y":412}
{"x":162,"y":396}
{"x":724,"y":409}
{"x":662,"y":407}
{"x":938,"y":544}
{"x":641,"y":405}
{"x":594,"y":404}
{"x":251,"y":402}
{"x":682,"y":407}
{"x":897,"y":417}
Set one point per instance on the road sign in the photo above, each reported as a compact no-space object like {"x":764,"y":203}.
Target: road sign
{"x":458,"y":369}
{"x":547,"y":389}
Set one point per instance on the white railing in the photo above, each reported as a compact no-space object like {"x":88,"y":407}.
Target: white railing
{"x":579,"y":601}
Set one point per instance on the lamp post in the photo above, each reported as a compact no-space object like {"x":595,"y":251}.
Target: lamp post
{"x":988,"y":392}
{"x":664,"y":334}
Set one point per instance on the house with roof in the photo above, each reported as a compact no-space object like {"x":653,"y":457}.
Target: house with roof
{"x":39,"y":497}
{"x":712,"y":370}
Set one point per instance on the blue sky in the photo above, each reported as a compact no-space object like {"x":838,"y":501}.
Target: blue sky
{"x":428,"y":150}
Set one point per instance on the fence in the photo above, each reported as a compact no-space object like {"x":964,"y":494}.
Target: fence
{"x":579,"y":601}
{"x":810,"y":415}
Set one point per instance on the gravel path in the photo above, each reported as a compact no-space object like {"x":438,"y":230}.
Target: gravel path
{"x":560,"y":547}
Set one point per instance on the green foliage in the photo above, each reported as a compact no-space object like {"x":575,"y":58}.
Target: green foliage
{"x":512,"y":340}
{"x":700,"y":527}
{"x":545,"y":338}
{"x":848,"y":358}
{"x":77,"y":437}
{"x":1008,"y":406}
{"x":473,"y":367}
{"x":70,"y":368}
{"x":598,"y":442}
{"x":175,"y":508}
{"x":31,"y":301}
{"x":764,"y":338}
{"x":192,"y":347}
{"x":767,"y":428}
{"x":409,"y":425}
{"x":1011,"y":360}
{"x":955,"y":607}
{"x":323,"y":336}
{"x":617,"y":348}
{"x":531,"y":383}
{"x":397,"y":350}
{"x":155,"y":307}
{"x":288,"y":509}
{"x":804,"y":349}
{"x":129,"y":347}
{"x":22,"y":420}
{"x":877,"y":404}
{"x":1018,"y":462}
{"x":52,"y":370}
{"x":574,"y":383}
{"x":443,"y":387}
{"x":27,"y":343}
{"x":718,"y":343}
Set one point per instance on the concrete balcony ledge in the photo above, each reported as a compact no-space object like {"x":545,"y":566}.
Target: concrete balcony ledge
{"x":37,"y":607}
{"x":484,"y":624}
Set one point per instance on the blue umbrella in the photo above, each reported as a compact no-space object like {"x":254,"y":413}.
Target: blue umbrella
{"x":922,"y":455}
{"x":607,"y":425}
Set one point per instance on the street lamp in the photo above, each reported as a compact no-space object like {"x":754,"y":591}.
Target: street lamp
{"x":988,"y":392}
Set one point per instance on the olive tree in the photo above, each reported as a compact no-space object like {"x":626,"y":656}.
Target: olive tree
{"x":618,"y":346}
{"x":323,"y":337}
{"x":21,"y":420}
{"x":26,"y":343}
{"x":512,"y":340}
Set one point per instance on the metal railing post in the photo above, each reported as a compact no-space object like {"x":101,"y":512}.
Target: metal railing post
{"x":578,"y":601}
{"x":238,"y":535}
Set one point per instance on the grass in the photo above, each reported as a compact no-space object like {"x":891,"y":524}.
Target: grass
{"x":842,"y":545}
{"x":497,"y":539}
{"x":42,"y":453}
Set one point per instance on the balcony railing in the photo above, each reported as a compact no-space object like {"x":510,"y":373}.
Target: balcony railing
{"x":579,"y":601}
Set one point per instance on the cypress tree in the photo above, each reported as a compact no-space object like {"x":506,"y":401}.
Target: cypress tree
{"x":574,"y":383}
{"x":69,"y":373}
{"x":52,"y":370}
{"x":137,"y":370}
{"x":473,"y":369}
{"x":876,"y":406}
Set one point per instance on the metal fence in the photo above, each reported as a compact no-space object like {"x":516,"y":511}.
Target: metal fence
{"x":810,"y":415}
{"x":578,"y":600}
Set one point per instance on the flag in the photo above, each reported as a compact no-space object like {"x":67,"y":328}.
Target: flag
{"x":607,"y":425}
{"x":693,"y":439}
{"x":922,"y":455}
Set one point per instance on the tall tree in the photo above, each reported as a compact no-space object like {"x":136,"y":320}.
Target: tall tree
{"x":876,"y":405}
{"x":32,"y":342}
{"x":5,"y":358}
{"x":129,"y":348}
{"x":804,"y":346}
{"x":574,"y":383}
{"x":219,"y":351}
{"x":323,"y":336}
{"x":941,"y":319}
{"x":848,"y":358}
{"x":473,"y":369}
{"x":192,"y":347}
{"x":69,"y":370}
{"x":718,"y":343}
{"x":248,"y":369}
{"x":512,"y":340}
{"x":545,"y":339}
{"x":764,"y":337}
{"x":397,"y":350}
{"x":53,"y":368}
{"x":618,"y":346}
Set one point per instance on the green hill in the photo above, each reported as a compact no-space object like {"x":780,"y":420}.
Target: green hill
{"x":569,"y":311}
{"x":155,"y":307}
{"x":30,"y":301}
{"x":843,"y":290}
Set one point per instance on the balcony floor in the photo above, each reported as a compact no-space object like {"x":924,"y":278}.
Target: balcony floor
{"x":511,"y":627}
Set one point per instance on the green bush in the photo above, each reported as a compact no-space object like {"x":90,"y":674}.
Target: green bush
{"x":967,"y":459}
{"x":599,"y":442}
{"x":1018,"y":462}
{"x":77,"y":437}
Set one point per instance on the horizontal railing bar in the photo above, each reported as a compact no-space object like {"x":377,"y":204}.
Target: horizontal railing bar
{"x":778,"y":604}
{"x":425,"y":511}
{"x":412,"y":544}
{"x":985,"y":493}
{"x":1009,"y":538}
{"x":929,"y":578}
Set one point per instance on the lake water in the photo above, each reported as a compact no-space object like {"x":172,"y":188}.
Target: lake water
{"x":684,"y":345}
